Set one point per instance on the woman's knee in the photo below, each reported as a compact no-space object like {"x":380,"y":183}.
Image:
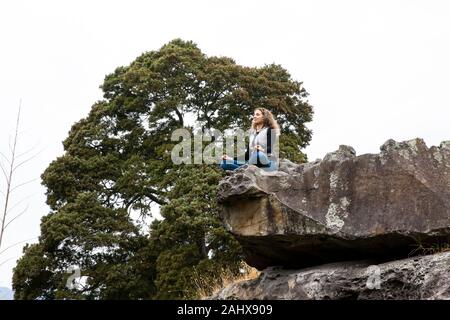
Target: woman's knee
{"x":229,"y":166}
{"x":224,"y":165}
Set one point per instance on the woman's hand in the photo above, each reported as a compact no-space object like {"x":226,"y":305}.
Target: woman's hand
{"x":226,"y":157}
{"x":258,"y":147}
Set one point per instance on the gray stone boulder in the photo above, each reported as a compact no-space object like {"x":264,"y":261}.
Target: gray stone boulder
{"x":342,"y":208}
{"x":418,"y":278}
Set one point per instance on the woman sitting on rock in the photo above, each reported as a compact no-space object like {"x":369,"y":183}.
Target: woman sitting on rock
{"x":263,"y":136}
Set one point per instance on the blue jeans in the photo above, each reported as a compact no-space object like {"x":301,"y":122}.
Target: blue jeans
{"x":264,"y":161}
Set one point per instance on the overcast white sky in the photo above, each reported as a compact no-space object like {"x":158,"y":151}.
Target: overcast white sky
{"x":374,"y":69}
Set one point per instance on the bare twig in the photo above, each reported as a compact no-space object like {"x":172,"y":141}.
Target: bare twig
{"x":4,"y":172}
{"x":6,"y":218}
{"x":1,"y":154}
{"x":16,"y":204}
{"x":25,"y":161}
{"x":9,"y":144}
{"x":22,"y":184}
{"x":5,"y":261}
{"x":9,"y":222}
{"x":17,"y":243}
{"x":24,"y":153}
{"x":8,"y":176}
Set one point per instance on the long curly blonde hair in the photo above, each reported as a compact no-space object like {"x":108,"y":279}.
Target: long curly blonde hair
{"x":269,"y":120}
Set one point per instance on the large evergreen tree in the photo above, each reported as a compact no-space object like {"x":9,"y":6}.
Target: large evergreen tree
{"x":117,"y":164}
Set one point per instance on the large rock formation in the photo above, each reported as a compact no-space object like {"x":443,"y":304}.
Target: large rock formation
{"x":342,"y":208}
{"x":416,"y":278}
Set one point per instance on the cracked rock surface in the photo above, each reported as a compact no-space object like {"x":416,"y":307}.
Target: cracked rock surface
{"x":418,"y":278}
{"x":342,"y":208}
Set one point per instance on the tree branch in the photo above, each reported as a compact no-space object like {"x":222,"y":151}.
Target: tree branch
{"x":22,"y":184}
{"x":17,"y":243}
{"x":15,"y":205}
{"x":3,"y":262}
{"x":9,"y":144}
{"x":155,"y":199}
{"x":4,"y":173}
{"x":1,"y":154}
{"x":151,"y":195}
{"x":24,"y":153}
{"x":180,"y":116}
{"x":8,"y":177}
{"x":15,"y":217}
{"x":25,"y":161}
